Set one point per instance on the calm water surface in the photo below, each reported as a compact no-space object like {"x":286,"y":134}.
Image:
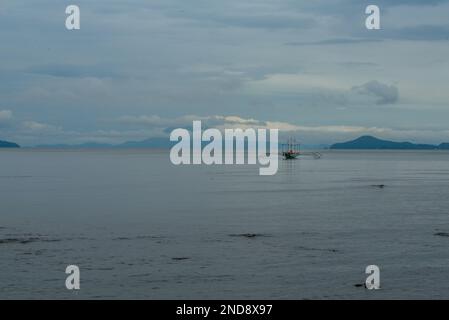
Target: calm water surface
{"x":139,"y":227}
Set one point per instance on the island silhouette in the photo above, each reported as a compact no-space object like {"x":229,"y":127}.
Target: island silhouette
{"x":370,"y":142}
{"x":7,"y":144}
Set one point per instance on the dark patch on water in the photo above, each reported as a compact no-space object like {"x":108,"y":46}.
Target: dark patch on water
{"x":317,"y":249}
{"x":442,"y":234}
{"x":379,"y":186}
{"x":142,"y":237}
{"x":26,"y":240}
{"x":149,"y":237}
{"x":37,"y":252}
{"x":99,"y":268}
{"x":140,"y":275}
{"x":249,"y":235}
{"x":180,"y":258}
{"x":213,"y":240}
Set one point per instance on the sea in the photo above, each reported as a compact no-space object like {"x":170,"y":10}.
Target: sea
{"x":139,"y":227}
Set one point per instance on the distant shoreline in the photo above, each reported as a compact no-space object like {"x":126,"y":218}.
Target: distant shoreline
{"x":361,"y":143}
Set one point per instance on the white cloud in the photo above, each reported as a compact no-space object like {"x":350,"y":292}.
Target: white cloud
{"x":38,"y":127}
{"x":306,"y":133}
{"x":296,"y":82}
{"x":135,"y":128}
{"x":157,"y":121}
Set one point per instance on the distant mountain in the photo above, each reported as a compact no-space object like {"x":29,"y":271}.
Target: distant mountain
{"x":369,"y":142}
{"x":364,"y":142}
{"x":6,"y":144}
{"x":151,"y":143}
{"x":88,"y":145}
{"x":155,"y":143}
{"x":161,"y":143}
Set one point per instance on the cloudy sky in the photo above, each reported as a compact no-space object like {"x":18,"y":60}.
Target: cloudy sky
{"x":137,"y":69}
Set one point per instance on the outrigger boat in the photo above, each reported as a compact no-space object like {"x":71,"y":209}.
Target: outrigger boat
{"x":292,"y":150}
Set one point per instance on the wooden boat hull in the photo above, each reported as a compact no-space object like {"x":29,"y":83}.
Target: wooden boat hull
{"x":290,"y":155}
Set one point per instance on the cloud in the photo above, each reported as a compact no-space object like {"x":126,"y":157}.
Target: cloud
{"x":35,"y":127}
{"x":265,"y":21}
{"x":420,"y":33}
{"x":143,"y":127}
{"x":384,"y":94}
{"x":255,"y":14}
{"x":310,"y":134}
{"x":326,"y":90}
{"x":74,"y":71}
{"x":406,"y":2}
{"x":336,"y":41}
{"x":157,"y":121}
{"x":156,"y":61}
{"x":222,"y":122}
{"x":5,"y":116}
{"x":358,"y":64}
{"x":237,"y":120}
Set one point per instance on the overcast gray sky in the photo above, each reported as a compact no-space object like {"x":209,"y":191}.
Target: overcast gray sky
{"x":137,"y":69}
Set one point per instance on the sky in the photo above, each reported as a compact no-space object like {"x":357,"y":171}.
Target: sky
{"x":137,"y":69}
